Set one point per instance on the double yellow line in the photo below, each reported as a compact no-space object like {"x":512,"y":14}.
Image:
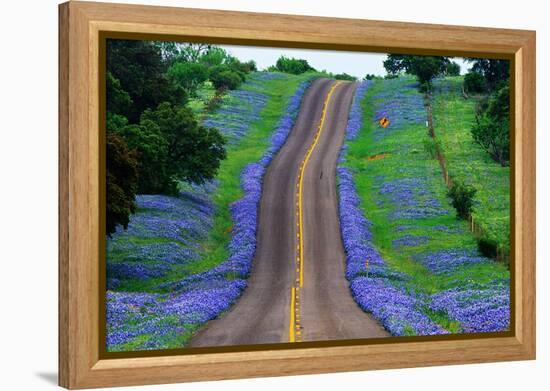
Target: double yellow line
{"x":294,"y":326}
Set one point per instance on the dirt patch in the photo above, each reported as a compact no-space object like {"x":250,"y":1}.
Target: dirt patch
{"x":378,"y":156}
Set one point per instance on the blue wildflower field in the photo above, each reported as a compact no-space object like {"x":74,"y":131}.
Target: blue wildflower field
{"x":410,"y":261}
{"x":184,"y":260}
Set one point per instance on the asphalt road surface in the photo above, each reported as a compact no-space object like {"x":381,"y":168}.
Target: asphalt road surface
{"x":297,"y":290}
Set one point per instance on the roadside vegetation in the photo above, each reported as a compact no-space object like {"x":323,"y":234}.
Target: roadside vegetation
{"x":414,"y":264}
{"x":181,"y":254}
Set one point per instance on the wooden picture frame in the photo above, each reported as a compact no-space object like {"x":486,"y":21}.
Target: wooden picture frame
{"x":81,"y":25}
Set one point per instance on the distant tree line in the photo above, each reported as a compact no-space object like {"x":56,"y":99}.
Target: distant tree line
{"x":294,"y":66}
{"x":425,"y":68}
{"x":297,"y":66}
{"x":153,"y":138}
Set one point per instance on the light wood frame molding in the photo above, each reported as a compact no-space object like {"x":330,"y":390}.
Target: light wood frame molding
{"x":80,"y":27}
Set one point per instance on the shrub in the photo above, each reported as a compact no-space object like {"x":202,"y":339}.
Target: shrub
{"x":242,"y":68}
{"x":225,"y":79}
{"x":462,"y":198}
{"x":474,"y":83}
{"x":487,"y":247}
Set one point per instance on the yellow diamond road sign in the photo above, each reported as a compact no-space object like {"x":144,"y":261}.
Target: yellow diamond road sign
{"x":384,"y":122}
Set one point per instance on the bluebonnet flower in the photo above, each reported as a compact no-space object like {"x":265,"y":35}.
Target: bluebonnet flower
{"x":449,"y":260}
{"x":397,"y":310}
{"x":478,"y":309}
{"x":410,"y":240}
{"x":234,"y":118}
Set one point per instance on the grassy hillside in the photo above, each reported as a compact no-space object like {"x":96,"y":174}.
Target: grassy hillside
{"x":453,"y":118}
{"x":424,"y":274}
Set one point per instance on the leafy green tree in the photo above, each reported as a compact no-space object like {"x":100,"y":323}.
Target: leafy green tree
{"x":223,"y":78}
{"x":453,"y":69}
{"x":188,"y":75}
{"x":122,"y":176}
{"x":115,"y":121}
{"x":474,"y":82}
{"x":193,"y":151}
{"x":292,"y":65}
{"x":141,"y":70}
{"x":425,"y":68}
{"x":495,"y":72}
{"x":118,"y":100}
{"x":492,"y":128}
{"x":152,"y":152}
{"x":192,"y":52}
{"x":214,"y":56}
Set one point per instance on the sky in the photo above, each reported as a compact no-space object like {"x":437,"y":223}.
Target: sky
{"x":353,"y":63}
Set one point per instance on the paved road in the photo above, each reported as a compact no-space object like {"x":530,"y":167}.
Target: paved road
{"x":293,"y":296}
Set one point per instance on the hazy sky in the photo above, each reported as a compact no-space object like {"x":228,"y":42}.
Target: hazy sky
{"x":353,"y":63}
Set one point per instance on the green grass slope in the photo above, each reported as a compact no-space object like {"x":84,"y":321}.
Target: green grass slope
{"x":453,"y":117}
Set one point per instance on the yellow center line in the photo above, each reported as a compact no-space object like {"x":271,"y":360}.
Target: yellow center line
{"x":294,"y":327}
{"x":301,"y":180}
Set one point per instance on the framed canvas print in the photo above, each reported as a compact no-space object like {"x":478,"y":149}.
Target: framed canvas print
{"x":249,"y":195}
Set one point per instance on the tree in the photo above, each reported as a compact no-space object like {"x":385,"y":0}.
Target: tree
{"x":121,"y":183}
{"x":475,"y":82}
{"x":453,"y":69}
{"x":193,"y":151}
{"x":214,"y":56}
{"x":495,"y":72}
{"x":192,"y":52}
{"x":152,"y":152}
{"x":425,"y":68}
{"x":491,"y":130}
{"x":223,"y":78}
{"x":292,"y":65}
{"x":188,"y":75}
{"x":118,"y":100}
{"x":140,"y":68}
